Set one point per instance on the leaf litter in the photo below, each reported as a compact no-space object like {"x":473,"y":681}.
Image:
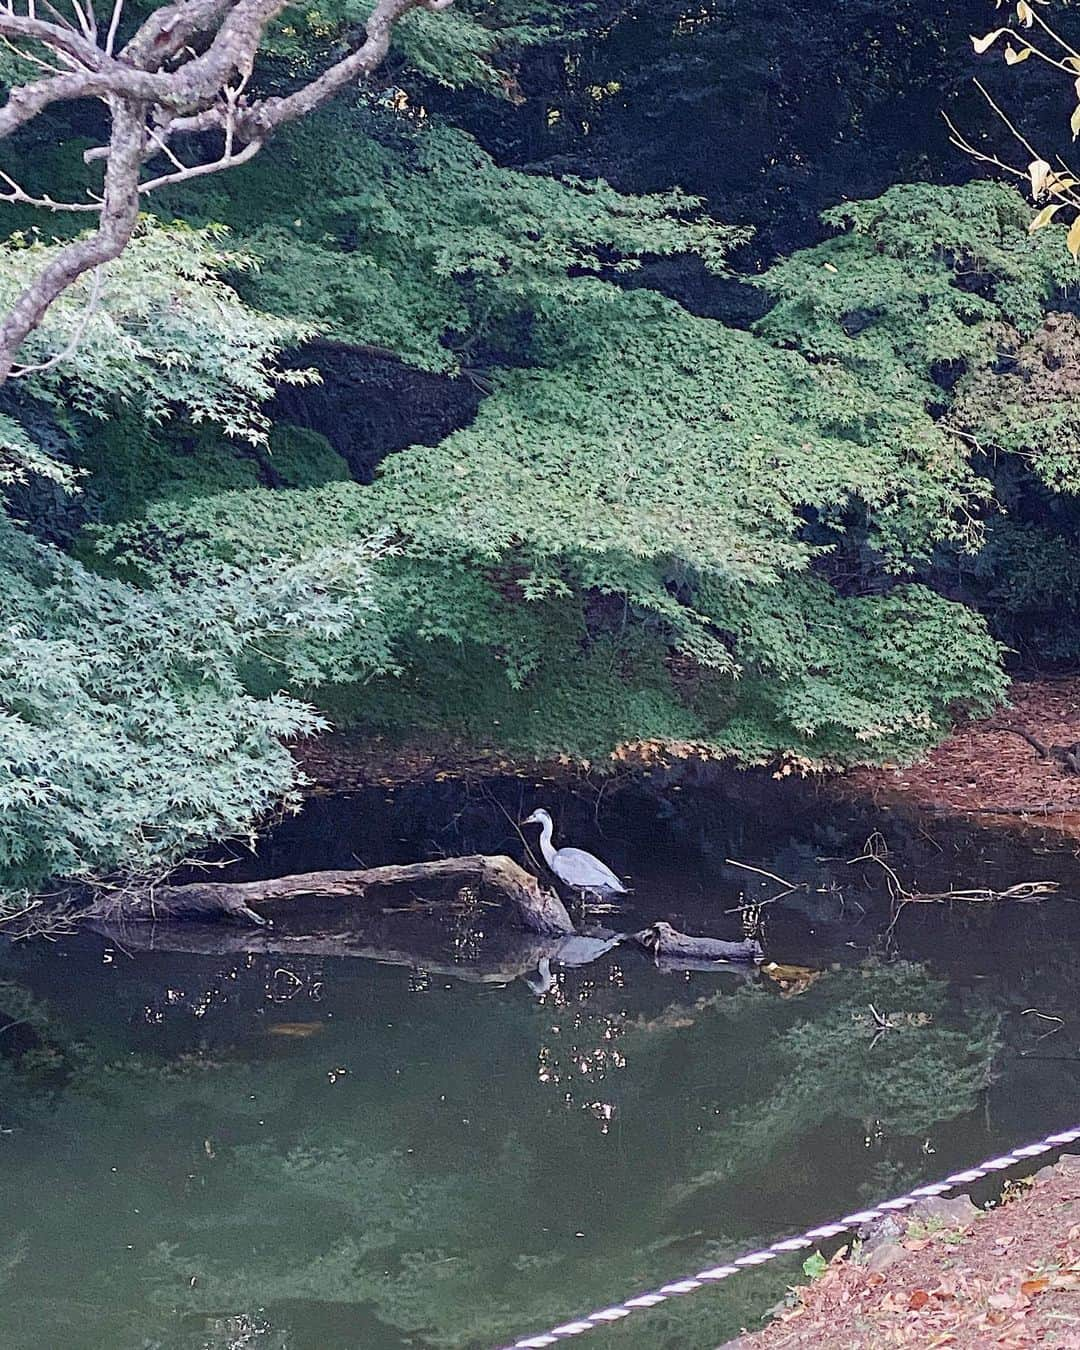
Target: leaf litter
{"x":1011,"y":1279}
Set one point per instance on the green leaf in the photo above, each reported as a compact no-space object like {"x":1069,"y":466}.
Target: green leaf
{"x":815,"y":1266}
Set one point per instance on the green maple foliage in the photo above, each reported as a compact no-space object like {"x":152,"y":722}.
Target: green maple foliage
{"x":658,"y":529}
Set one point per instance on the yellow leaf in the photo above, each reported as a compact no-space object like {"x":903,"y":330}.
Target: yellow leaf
{"x":793,"y":980}
{"x":1059,"y":185}
{"x":1024,"y":14}
{"x":985,"y":43}
{"x":1072,"y":239}
{"x":1044,"y":217}
{"x":1014,"y":57}
{"x":1074,"y":122}
{"x":1031,"y":1287}
{"x":1038,"y":171}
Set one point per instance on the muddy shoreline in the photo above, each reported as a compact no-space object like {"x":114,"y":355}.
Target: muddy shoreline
{"x":986,"y":771}
{"x":983,"y":770}
{"x":964,"y":1278}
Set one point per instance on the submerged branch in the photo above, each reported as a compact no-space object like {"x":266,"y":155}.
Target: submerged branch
{"x":876,"y":851}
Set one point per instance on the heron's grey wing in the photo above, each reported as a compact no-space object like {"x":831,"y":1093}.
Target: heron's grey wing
{"x":578,"y":868}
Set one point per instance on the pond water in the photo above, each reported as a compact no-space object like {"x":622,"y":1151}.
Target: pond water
{"x":232,"y":1149}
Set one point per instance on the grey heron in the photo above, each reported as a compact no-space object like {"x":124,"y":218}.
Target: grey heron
{"x":573,"y":866}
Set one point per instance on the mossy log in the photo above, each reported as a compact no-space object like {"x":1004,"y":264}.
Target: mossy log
{"x":668,"y":943}
{"x":537,"y":910}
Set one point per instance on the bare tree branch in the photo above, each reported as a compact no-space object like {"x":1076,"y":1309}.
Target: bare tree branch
{"x":169,"y":29}
{"x":38,"y":61}
{"x":54,"y":36}
{"x":1058,"y":188}
{"x":16,"y":194}
{"x":276,"y":112}
{"x":75,"y":339}
{"x":119,"y":215}
{"x":114,"y":25}
{"x":157,"y":89}
{"x":227,"y":161}
{"x":111,"y":80}
{"x":87,"y":22}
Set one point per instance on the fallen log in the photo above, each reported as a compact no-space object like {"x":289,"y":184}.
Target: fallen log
{"x":668,"y":943}
{"x":537,"y":910}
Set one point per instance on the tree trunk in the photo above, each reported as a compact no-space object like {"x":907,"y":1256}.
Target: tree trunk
{"x":537,"y":910}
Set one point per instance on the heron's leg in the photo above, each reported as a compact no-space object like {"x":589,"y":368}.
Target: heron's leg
{"x":592,"y":902}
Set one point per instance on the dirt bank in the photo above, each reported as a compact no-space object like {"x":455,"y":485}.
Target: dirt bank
{"x":344,"y":761}
{"x":985,"y":769}
{"x":1008,"y":1277}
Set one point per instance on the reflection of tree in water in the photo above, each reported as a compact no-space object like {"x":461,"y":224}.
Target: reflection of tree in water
{"x":457,"y":1184}
{"x":878,"y":1049}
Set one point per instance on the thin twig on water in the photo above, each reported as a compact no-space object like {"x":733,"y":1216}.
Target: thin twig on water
{"x":789,"y":887}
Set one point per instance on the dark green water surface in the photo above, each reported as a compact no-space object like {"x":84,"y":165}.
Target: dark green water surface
{"x":220,"y":1148}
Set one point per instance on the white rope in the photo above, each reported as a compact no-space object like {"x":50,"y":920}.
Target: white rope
{"x":707,"y":1278}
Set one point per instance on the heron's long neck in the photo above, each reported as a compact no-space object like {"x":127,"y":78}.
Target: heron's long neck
{"x":545,"y":842}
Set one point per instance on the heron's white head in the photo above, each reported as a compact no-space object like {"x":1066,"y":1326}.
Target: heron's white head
{"x":538,"y":817}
